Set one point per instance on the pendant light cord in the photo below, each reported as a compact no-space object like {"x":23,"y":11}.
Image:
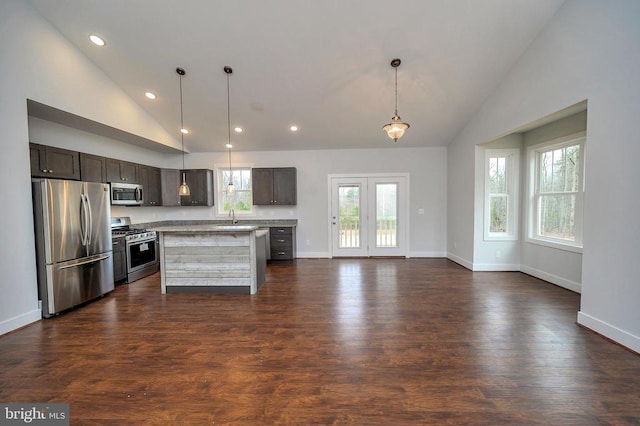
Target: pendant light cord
{"x":181,"y":123}
{"x":229,"y":125}
{"x":396,"y":113}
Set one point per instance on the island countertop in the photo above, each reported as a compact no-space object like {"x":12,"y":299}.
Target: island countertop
{"x":204,"y":228}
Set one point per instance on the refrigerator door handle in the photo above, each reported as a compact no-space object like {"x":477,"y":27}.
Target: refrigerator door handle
{"x":89,"y":220}
{"x":83,"y":220}
{"x":86,"y":261}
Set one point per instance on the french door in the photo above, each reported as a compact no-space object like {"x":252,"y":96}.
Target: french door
{"x":368,"y":215}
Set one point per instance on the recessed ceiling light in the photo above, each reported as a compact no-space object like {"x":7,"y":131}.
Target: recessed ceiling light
{"x":229,"y":145}
{"x":238,"y":129}
{"x":150,"y":95}
{"x":98,"y":41}
{"x":184,"y":131}
{"x":293,"y":128}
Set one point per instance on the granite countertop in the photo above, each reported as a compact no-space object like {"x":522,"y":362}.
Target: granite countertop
{"x":204,"y":228}
{"x":260,"y":223}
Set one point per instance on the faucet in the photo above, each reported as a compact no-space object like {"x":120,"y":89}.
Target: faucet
{"x":232,"y":215}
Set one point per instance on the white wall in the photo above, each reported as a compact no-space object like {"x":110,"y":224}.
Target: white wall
{"x":590,"y":50}
{"x":37,"y":63}
{"x":426,"y":166}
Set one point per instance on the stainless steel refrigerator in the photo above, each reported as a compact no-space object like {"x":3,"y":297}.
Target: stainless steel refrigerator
{"x":73,"y":242}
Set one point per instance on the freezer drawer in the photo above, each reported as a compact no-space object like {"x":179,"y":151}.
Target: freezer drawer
{"x":71,"y":283}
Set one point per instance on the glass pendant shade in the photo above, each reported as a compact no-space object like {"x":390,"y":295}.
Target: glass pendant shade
{"x":396,"y":128}
{"x":184,"y":188}
{"x":230,"y":188}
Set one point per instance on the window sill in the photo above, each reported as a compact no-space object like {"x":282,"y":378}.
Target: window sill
{"x":555,"y":245}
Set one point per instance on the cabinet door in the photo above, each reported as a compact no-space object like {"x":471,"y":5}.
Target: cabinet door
{"x":169,"y":184}
{"x":129,"y":172}
{"x":284,"y":186}
{"x":200,"y":183}
{"x":113,"y":170}
{"x":150,"y":181}
{"x":119,"y":260}
{"x":92,"y":168}
{"x":62,"y":163}
{"x":262,"y":186}
{"x":122,"y":171}
{"x":38,"y":160}
{"x":57,"y":163}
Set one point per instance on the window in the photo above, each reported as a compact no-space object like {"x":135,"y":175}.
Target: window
{"x":501,"y":194}
{"x":557,"y":176}
{"x":241,"y":199}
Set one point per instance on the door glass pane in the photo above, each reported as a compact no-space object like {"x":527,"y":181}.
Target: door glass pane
{"x":386,"y":214}
{"x":349,"y":216}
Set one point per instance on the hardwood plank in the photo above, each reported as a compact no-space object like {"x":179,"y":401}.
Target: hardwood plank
{"x":329,"y":341}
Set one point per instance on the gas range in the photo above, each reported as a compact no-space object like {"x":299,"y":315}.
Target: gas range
{"x":141,"y":248}
{"x":120,"y":227}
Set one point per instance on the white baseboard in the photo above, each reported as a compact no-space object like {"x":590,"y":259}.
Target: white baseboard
{"x":427,"y":254}
{"x":496,"y":267}
{"x":14,"y":323}
{"x":460,"y":261}
{"x":313,"y":254}
{"x":554,"y":279}
{"x":612,"y":332}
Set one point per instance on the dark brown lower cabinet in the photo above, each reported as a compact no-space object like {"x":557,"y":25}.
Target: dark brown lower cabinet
{"x":282,"y":240}
{"x":119,"y":259}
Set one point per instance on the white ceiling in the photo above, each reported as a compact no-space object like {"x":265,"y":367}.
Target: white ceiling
{"x":321,"y":64}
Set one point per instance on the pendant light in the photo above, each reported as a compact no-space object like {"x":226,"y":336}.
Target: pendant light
{"x":230,"y":186}
{"x":184,"y":188}
{"x":396,"y":128}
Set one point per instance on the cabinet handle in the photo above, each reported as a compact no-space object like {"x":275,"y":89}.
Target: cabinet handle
{"x":115,"y":243}
{"x":280,"y":241}
{"x":44,"y":170}
{"x":280,"y":253}
{"x":50,"y":171}
{"x":280,"y":230}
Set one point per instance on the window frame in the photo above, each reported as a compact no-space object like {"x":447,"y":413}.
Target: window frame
{"x":221,"y":186}
{"x":533,"y":208}
{"x":512,"y":171}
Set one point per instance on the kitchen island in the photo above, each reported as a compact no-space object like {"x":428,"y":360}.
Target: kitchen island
{"x":212,"y":258}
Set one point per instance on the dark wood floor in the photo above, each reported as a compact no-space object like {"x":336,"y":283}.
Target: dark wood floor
{"x":342,"y":341}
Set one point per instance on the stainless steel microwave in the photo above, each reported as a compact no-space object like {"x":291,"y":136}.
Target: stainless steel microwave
{"x":126,"y":194}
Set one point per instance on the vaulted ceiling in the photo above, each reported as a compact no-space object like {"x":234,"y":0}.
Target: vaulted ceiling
{"x":323,"y":65}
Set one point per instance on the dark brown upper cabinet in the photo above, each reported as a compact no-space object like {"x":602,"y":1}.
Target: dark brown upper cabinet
{"x":151,"y":185}
{"x":57,"y":163}
{"x":200,"y":183}
{"x":274,"y":186}
{"x":122,"y":171}
{"x":170,"y":183}
{"x":93,"y":168}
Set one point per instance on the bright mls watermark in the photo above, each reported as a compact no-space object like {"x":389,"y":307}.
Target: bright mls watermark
{"x":34,"y":413}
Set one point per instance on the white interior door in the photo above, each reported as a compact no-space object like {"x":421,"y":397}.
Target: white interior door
{"x":368,"y":216}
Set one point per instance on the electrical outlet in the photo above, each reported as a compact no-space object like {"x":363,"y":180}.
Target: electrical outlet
{"x":420,"y":211}
{"x":498,"y":254}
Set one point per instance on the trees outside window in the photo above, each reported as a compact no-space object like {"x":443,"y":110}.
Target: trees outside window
{"x":501,"y":194}
{"x":557,"y":191}
{"x":241,"y":198}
